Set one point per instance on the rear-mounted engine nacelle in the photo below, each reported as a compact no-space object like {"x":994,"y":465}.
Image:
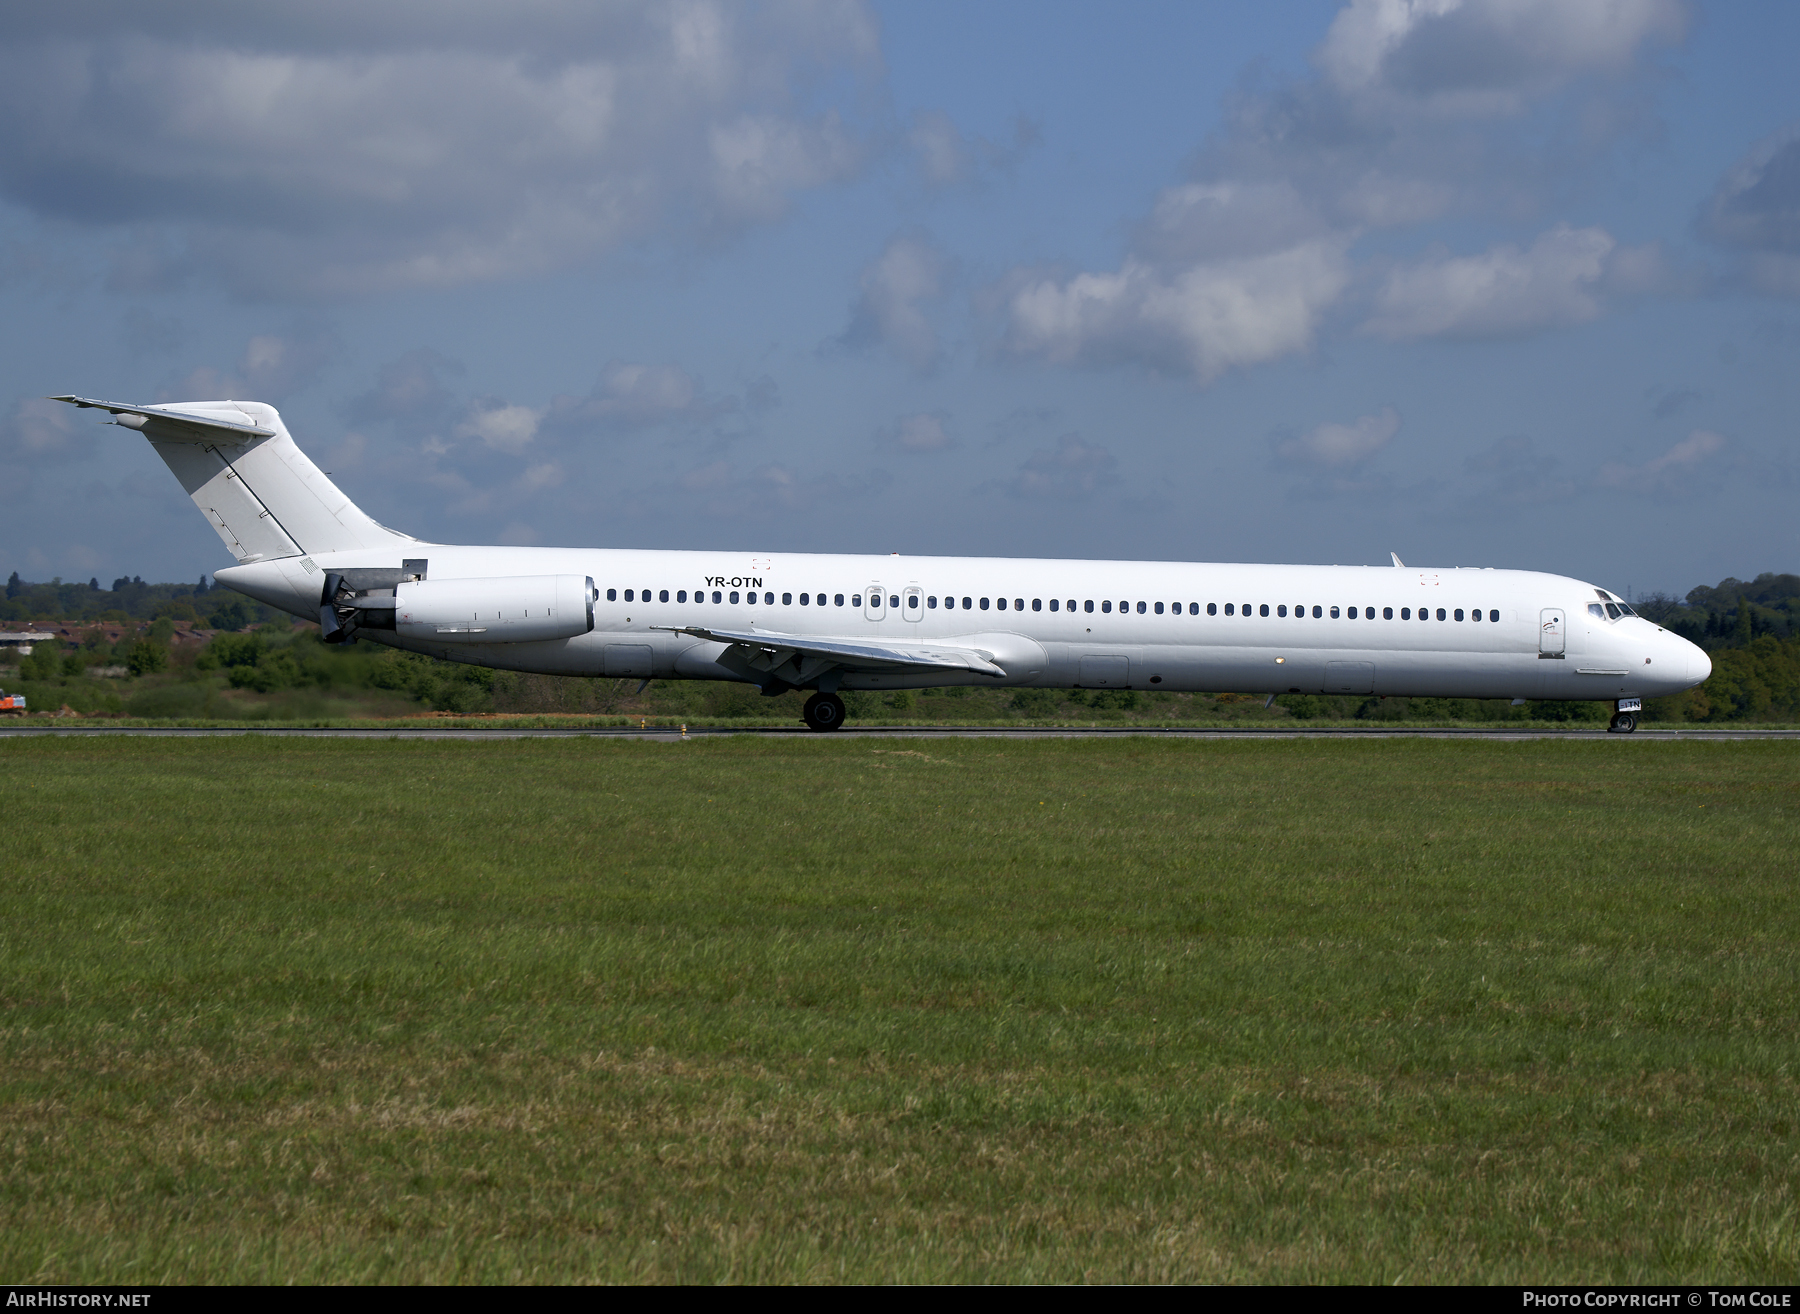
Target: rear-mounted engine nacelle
{"x":513,"y":609}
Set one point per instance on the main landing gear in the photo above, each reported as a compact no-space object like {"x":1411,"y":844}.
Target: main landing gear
{"x":824,"y":711}
{"x":1623,"y":723}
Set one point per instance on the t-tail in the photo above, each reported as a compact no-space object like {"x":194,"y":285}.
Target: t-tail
{"x":259,"y":491}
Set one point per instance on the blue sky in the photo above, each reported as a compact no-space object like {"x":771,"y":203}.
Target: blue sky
{"x":1497,"y":282}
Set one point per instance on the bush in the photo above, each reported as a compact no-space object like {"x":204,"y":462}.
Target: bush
{"x":1035,"y":702}
{"x":146,"y":657}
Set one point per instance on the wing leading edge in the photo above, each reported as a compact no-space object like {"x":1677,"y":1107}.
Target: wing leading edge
{"x":801,"y":658}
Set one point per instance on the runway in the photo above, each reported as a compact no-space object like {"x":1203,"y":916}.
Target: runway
{"x":677,"y":733}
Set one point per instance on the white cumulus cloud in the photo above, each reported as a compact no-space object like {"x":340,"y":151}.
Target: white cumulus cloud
{"x":1337,"y":445}
{"x":1503,"y":292}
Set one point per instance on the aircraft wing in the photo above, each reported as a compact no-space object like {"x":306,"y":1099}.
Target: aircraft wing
{"x":775,"y":650}
{"x":204,"y":427}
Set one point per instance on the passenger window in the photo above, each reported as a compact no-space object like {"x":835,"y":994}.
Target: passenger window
{"x":970,"y":602}
{"x":1018,"y":604}
{"x":681,"y":595}
{"x":1458,"y":613}
{"x":856,"y":599}
{"x":628,"y":596}
{"x":1387,"y":613}
{"x":1334,"y":613}
{"x":1352,"y":613}
{"x":1053,"y":604}
{"x":1493,"y":617}
{"x":1088,"y":606}
{"x":734,"y":598}
{"x":984,"y":604}
{"x":912,"y":600}
{"x":1000,"y":603}
{"x":1142,"y":608}
{"x":837,"y":600}
{"x":663,"y":596}
{"x":894,"y":600}
{"x":1475,"y":615}
{"x":787,"y":599}
{"x":931,"y":602}
{"x":612,"y":595}
{"x":1263,"y":610}
{"x":1231,"y":609}
{"x":1193,"y":609}
{"x":1440,"y":613}
{"x":1212,"y":609}
{"x":1037,"y":604}
{"x":1281,"y":610}
{"x":1070,"y":606}
{"x":715,"y":595}
{"x":1106,"y":605}
{"x":1406,"y":613}
{"x":1318,"y":612}
{"x":805,"y":599}
{"x":1159,"y":610}
{"x":750,"y":598}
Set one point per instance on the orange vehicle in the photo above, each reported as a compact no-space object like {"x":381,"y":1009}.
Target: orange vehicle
{"x":13,"y":704}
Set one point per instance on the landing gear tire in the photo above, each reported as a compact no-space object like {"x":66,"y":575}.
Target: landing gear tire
{"x":1623,"y":723}
{"x":824,"y":711}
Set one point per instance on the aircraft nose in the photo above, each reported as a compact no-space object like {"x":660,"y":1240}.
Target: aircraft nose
{"x":1699,"y":665}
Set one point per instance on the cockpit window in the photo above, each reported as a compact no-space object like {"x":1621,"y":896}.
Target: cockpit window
{"x":1612,"y":611}
{"x":1595,"y":609}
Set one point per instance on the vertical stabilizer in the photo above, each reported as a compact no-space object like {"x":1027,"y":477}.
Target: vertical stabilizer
{"x":255,"y":487}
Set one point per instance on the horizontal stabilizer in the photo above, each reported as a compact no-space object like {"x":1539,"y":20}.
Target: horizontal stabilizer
{"x":857,"y":654}
{"x":205,"y":428}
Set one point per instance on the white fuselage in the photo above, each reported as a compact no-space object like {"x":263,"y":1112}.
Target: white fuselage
{"x":1060,"y":624}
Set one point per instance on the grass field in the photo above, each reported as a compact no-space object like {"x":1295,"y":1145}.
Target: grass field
{"x":821,"y":1010}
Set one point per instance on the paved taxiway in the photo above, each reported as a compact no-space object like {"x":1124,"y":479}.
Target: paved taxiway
{"x":897,"y":732}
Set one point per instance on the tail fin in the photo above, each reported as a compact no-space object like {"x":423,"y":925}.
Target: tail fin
{"x":258,"y":489}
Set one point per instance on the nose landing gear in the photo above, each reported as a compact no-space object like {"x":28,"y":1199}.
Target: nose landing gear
{"x":1623,"y":723}
{"x":824,"y":711}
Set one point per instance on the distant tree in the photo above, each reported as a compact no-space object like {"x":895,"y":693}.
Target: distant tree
{"x":14,"y":585}
{"x":200,"y":588}
{"x":120,"y":585}
{"x":1746,"y":625}
{"x":94,"y":583}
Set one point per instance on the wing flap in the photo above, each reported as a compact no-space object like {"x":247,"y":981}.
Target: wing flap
{"x":856,"y":653}
{"x":187,"y":423}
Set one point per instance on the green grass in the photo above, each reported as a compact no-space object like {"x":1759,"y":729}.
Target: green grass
{"x":969,"y":1010}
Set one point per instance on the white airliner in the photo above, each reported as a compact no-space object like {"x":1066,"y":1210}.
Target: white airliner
{"x":787,"y":621}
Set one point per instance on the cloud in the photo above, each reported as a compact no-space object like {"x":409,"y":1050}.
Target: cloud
{"x":1339,"y":445}
{"x":631,"y":395}
{"x":419,"y":144}
{"x":889,"y":312}
{"x":946,"y":156}
{"x":1416,"y":114}
{"x":1487,"y":56}
{"x":1755,"y":211}
{"x":1514,"y":472}
{"x":1504,"y":292}
{"x":410,"y":390}
{"x":920,"y":433}
{"x":272,"y":367}
{"x":1671,"y":473}
{"x":501,"y":427}
{"x":1201,"y":320}
{"x":1070,"y":471}
{"x":41,"y":431}
{"x":772,"y":492}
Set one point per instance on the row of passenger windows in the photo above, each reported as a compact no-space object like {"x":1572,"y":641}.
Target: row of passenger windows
{"x":1056,"y":604}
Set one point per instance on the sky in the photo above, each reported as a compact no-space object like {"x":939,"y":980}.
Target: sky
{"x":1505,"y":283}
